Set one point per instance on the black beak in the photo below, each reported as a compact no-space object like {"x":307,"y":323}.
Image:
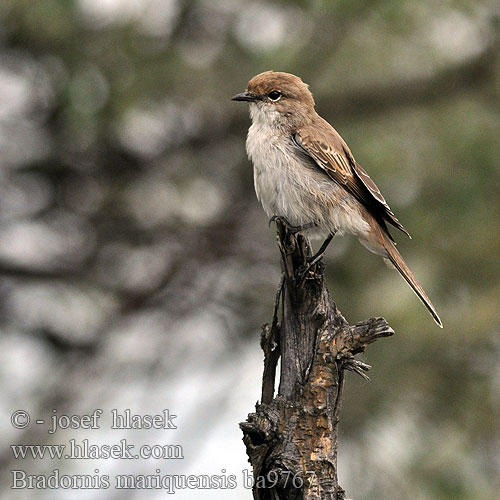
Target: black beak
{"x":244,"y":96}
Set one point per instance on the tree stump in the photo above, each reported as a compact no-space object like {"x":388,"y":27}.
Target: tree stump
{"x":291,"y":439}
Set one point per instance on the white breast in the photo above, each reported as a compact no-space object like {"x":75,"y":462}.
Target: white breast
{"x":271,"y":168}
{"x":288,"y":186}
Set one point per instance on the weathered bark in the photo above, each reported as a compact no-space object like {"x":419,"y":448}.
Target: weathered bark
{"x":291,"y":440}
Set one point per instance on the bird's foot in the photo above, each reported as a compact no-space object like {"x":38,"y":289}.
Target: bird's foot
{"x":314,"y":259}
{"x":292,"y":229}
{"x":322,"y":249}
{"x":302,"y":273}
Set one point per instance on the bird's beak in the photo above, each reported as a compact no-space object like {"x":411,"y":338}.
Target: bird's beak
{"x":244,"y":96}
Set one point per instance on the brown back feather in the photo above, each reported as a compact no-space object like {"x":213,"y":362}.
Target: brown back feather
{"x":330,"y":152}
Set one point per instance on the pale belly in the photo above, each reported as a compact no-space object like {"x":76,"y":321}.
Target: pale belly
{"x":286,"y":185}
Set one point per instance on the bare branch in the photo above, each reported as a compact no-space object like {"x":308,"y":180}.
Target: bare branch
{"x":293,"y":437}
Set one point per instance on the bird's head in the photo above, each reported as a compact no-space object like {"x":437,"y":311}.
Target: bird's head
{"x":279,"y":99}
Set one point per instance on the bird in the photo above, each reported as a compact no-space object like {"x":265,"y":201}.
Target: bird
{"x":306,"y":175}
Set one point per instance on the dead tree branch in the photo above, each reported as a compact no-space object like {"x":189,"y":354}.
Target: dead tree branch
{"x":291,"y":439}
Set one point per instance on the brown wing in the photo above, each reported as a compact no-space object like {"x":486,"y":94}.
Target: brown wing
{"x":330,"y":152}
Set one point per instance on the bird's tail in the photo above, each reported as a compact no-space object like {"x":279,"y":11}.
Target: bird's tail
{"x":395,"y":257}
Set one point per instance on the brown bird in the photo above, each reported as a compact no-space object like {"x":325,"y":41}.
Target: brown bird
{"x":305,"y":174}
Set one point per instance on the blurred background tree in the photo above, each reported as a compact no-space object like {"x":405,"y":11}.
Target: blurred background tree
{"x":136,"y":265}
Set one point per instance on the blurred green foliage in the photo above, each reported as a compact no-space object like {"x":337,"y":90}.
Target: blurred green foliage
{"x":125,"y":178}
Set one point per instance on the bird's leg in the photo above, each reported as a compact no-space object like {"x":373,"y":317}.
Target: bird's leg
{"x":292,"y":229}
{"x":322,"y":249}
{"x":317,"y":256}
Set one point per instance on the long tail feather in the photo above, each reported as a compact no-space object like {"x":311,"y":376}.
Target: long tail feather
{"x":395,"y":257}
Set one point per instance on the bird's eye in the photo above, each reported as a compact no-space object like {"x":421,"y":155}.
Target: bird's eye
{"x":274,"y":95}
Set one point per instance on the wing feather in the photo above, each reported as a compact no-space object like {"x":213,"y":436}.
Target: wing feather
{"x":330,"y":153}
